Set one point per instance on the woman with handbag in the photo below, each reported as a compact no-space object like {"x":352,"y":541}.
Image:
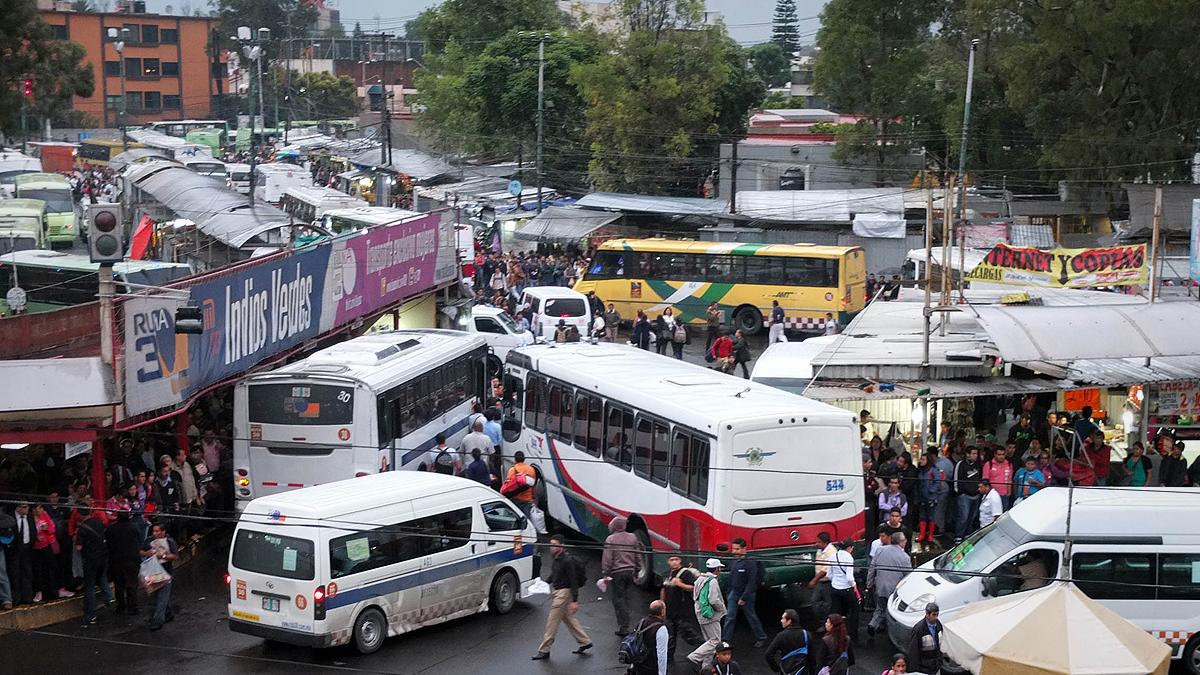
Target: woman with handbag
{"x":46,"y":583}
{"x":836,"y":653}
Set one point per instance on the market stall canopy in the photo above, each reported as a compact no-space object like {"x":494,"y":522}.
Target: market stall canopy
{"x":564,"y":224}
{"x":1030,"y":333}
{"x":137,"y":155}
{"x":820,"y":206}
{"x":1055,"y":629}
{"x":678,"y":206}
{"x":412,"y":163}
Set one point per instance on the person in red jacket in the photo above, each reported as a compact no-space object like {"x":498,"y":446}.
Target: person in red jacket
{"x":45,"y":557}
{"x":722,"y":349}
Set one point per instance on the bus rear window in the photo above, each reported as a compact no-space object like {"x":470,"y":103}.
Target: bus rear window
{"x":301,"y":404}
{"x":571,"y":307}
{"x":274,"y":555}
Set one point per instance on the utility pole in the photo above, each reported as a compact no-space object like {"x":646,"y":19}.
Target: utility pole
{"x":541,"y":104}
{"x":1154,"y":237}
{"x":928,"y":282}
{"x":118,"y":37}
{"x":962,"y":147}
{"x":733,"y":167}
{"x":252,"y":49}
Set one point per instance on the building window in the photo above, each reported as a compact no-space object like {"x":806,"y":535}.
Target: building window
{"x":170,"y":102}
{"x":169,"y":36}
{"x":170,"y":69}
{"x":112,"y":68}
{"x":59,"y":31}
{"x":150,"y":35}
{"x":133,"y":69}
{"x":112,"y":102}
{"x":133,"y":101}
{"x":150,"y":68}
{"x":133,"y":36}
{"x":153,"y":100}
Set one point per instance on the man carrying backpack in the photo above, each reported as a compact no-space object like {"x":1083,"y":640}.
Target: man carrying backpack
{"x":710,"y":612}
{"x":645,"y":649}
{"x":788,"y":653}
{"x":566,"y":578}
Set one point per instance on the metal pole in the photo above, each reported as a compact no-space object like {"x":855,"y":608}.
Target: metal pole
{"x":1158,"y":194}
{"x":541,"y":101}
{"x":946,"y":244}
{"x":962,"y":147}
{"x":106,"y":313}
{"x":261,"y":108}
{"x":733,"y":167}
{"x":124,"y":136}
{"x":928,"y":282}
{"x":253,"y":143}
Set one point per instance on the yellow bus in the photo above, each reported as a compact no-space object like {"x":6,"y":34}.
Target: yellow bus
{"x":653,"y":274}
{"x":100,"y":151}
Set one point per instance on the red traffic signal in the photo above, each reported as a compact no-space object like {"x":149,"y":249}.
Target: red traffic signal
{"x":28,"y":87}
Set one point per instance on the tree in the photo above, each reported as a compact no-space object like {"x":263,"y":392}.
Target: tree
{"x":872,"y":54}
{"x":27,"y":50}
{"x":771,"y":64}
{"x":320,"y":95}
{"x":654,"y":101}
{"x":473,"y":24}
{"x":785,"y":27}
{"x":776,"y":99}
{"x":485,"y":104}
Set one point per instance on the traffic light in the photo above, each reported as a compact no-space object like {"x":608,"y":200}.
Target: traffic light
{"x":189,"y":321}
{"x":106,"y":233}
{"x":28,"y":87}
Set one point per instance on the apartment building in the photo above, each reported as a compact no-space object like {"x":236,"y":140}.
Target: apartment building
{"x":170,"y":69}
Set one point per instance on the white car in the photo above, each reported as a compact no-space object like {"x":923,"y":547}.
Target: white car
{"x":496,"y":328}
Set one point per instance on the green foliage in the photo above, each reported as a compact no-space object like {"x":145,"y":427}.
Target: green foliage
{"x":772,"y":65}
{"x":655,"y":99}
{"x":321,"y":95}
{"x":473,"y":24}
{"x":775,"y":100}
{"x":28,"y":51}
{"x":785,"y":27}
{"x":284,"y":17}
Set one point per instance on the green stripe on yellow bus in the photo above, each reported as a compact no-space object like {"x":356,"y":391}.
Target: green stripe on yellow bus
{"x":691,"y":308}
{"x":747,"y":249}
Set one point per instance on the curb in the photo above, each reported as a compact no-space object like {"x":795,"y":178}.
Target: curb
{"x":33,"y":617}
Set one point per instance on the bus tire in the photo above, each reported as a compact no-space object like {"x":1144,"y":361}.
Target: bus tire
{"x":748,"y":319}
{"x":1191,"y":656}
{"x":370,"y":630}
{"x":503,"y":595}
{"x":645,"y":576}
{"x":494,"y":366}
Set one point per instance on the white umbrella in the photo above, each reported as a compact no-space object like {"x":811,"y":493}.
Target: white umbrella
{"x":1051,"y":630}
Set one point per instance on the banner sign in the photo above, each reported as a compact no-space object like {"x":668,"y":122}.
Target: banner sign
{"x":379,"y":268}
{"x":268,"y":307}
{"x":1178,"y":398}
{"x":1194,"y":253}
{"x":1064,"y":267}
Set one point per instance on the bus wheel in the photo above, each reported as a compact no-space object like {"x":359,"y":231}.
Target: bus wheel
{"x":645,"y":576}
{"x":503,"y":595}
{"x":1191,"y":656}
{"x":369,"y":631}
{"x":748,"y":320}
{"x":495,"y":367}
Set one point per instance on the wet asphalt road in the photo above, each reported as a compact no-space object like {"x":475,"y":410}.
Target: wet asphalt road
{"x":199,"y":641}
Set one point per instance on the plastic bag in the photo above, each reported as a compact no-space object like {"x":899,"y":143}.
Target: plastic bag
{"x":538,"y":587}
{"x":602,"y":584}
{"x":152,"y":575}
{"x":538,"y":518}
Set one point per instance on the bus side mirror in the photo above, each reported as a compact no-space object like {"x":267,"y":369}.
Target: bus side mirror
{"x":511,"y":429}
{"x":989,"y":587}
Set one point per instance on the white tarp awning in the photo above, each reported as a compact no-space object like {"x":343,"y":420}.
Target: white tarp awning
{"x":819,"y":206}
{"x":879,"y":225}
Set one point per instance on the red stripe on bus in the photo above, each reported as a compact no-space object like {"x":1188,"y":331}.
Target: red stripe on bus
{"x":270,"y":484}
{"x":295,"y":484}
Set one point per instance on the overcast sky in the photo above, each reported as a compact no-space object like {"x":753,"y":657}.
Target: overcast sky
{"x":749,"y":21}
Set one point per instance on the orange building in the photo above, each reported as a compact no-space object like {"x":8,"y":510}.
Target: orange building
{"x":170,"y":70}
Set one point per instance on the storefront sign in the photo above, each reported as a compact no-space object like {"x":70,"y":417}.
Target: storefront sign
{"x":1194,"y":254}
{"x":1063,"y":267}
{"x":1178,"y":398}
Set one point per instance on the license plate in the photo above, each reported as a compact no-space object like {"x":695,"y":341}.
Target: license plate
{"x":271,"y":604}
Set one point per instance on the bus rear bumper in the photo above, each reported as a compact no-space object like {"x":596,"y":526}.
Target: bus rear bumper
{"x":284,"y":635}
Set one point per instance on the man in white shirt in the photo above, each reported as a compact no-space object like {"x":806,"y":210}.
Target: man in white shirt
{"x":990,"y":506}
{"x":476,"y":439}
{"x":831,"y":324}
{"x":843,"y":587}
{"x":820,"y":581}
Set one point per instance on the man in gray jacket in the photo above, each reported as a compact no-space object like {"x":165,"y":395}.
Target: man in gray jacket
{"x":710,"y":612}
{"x":888,"y":567}
{"x":620,"y":563}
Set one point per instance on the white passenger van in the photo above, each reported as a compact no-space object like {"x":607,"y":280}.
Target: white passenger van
{"x":363,"y":559}
{"x":790,"y":365}
{"x":1135,"y":551}
{"x":548,"y":304}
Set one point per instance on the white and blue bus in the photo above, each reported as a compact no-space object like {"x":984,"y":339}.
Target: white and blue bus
{"x":368,"y":405}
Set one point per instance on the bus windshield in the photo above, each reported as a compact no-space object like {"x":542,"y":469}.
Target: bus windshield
{"x":157,"y":276}
{"x":58,"y":200}
{"x":9,"y":244}
{"x":976,"y":552}
{"x":274,"y":555}
{"x":301,"y":404}
{"x":570,"y":307}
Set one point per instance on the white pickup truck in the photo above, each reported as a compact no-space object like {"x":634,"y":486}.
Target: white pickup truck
{"x":496,"y":328}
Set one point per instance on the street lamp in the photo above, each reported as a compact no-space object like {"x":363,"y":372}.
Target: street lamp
{"x":118,"y":36}
{"x":253,"y":50}
{"x":541,"y":103}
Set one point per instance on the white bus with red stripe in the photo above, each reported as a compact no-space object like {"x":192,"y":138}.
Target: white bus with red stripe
{"x":360,"y":407}
{"x":694,"y":458}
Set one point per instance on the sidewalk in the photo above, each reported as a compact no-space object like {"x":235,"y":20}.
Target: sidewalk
{"x":40,"y":615}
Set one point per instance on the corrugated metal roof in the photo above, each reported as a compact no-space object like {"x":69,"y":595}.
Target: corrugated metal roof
{"x":1064,"y":334}
{"x":833,"y":390}
{"x":564,"y":224}
{"x":219,"y":212}
{"x":819,"y":206}
{"x":413,"y":163}
{"x":683,"y":206}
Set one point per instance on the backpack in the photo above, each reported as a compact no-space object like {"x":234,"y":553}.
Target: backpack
{"x":801,"y":652}
{"x":443,"y":463}
{"x":634,"y":650}
{"x":680,"y":335}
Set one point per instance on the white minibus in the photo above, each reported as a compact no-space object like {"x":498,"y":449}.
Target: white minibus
{"x":546,"y":305}
{"x":366,"y":558}
{"x":1134,"y":550}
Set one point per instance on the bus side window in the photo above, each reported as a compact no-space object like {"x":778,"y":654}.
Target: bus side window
{"x":661,"y":454}
{"x":595,"y":441}
{"x":581,"y":421}
{"x":534,"y":414}
{"x":680,"y":461}
{"x":553,"y":411}
{"x":698,"y":471}
{"x":643,"y":444}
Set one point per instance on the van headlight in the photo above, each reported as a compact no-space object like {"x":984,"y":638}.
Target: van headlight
{"x":920,"y":602}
